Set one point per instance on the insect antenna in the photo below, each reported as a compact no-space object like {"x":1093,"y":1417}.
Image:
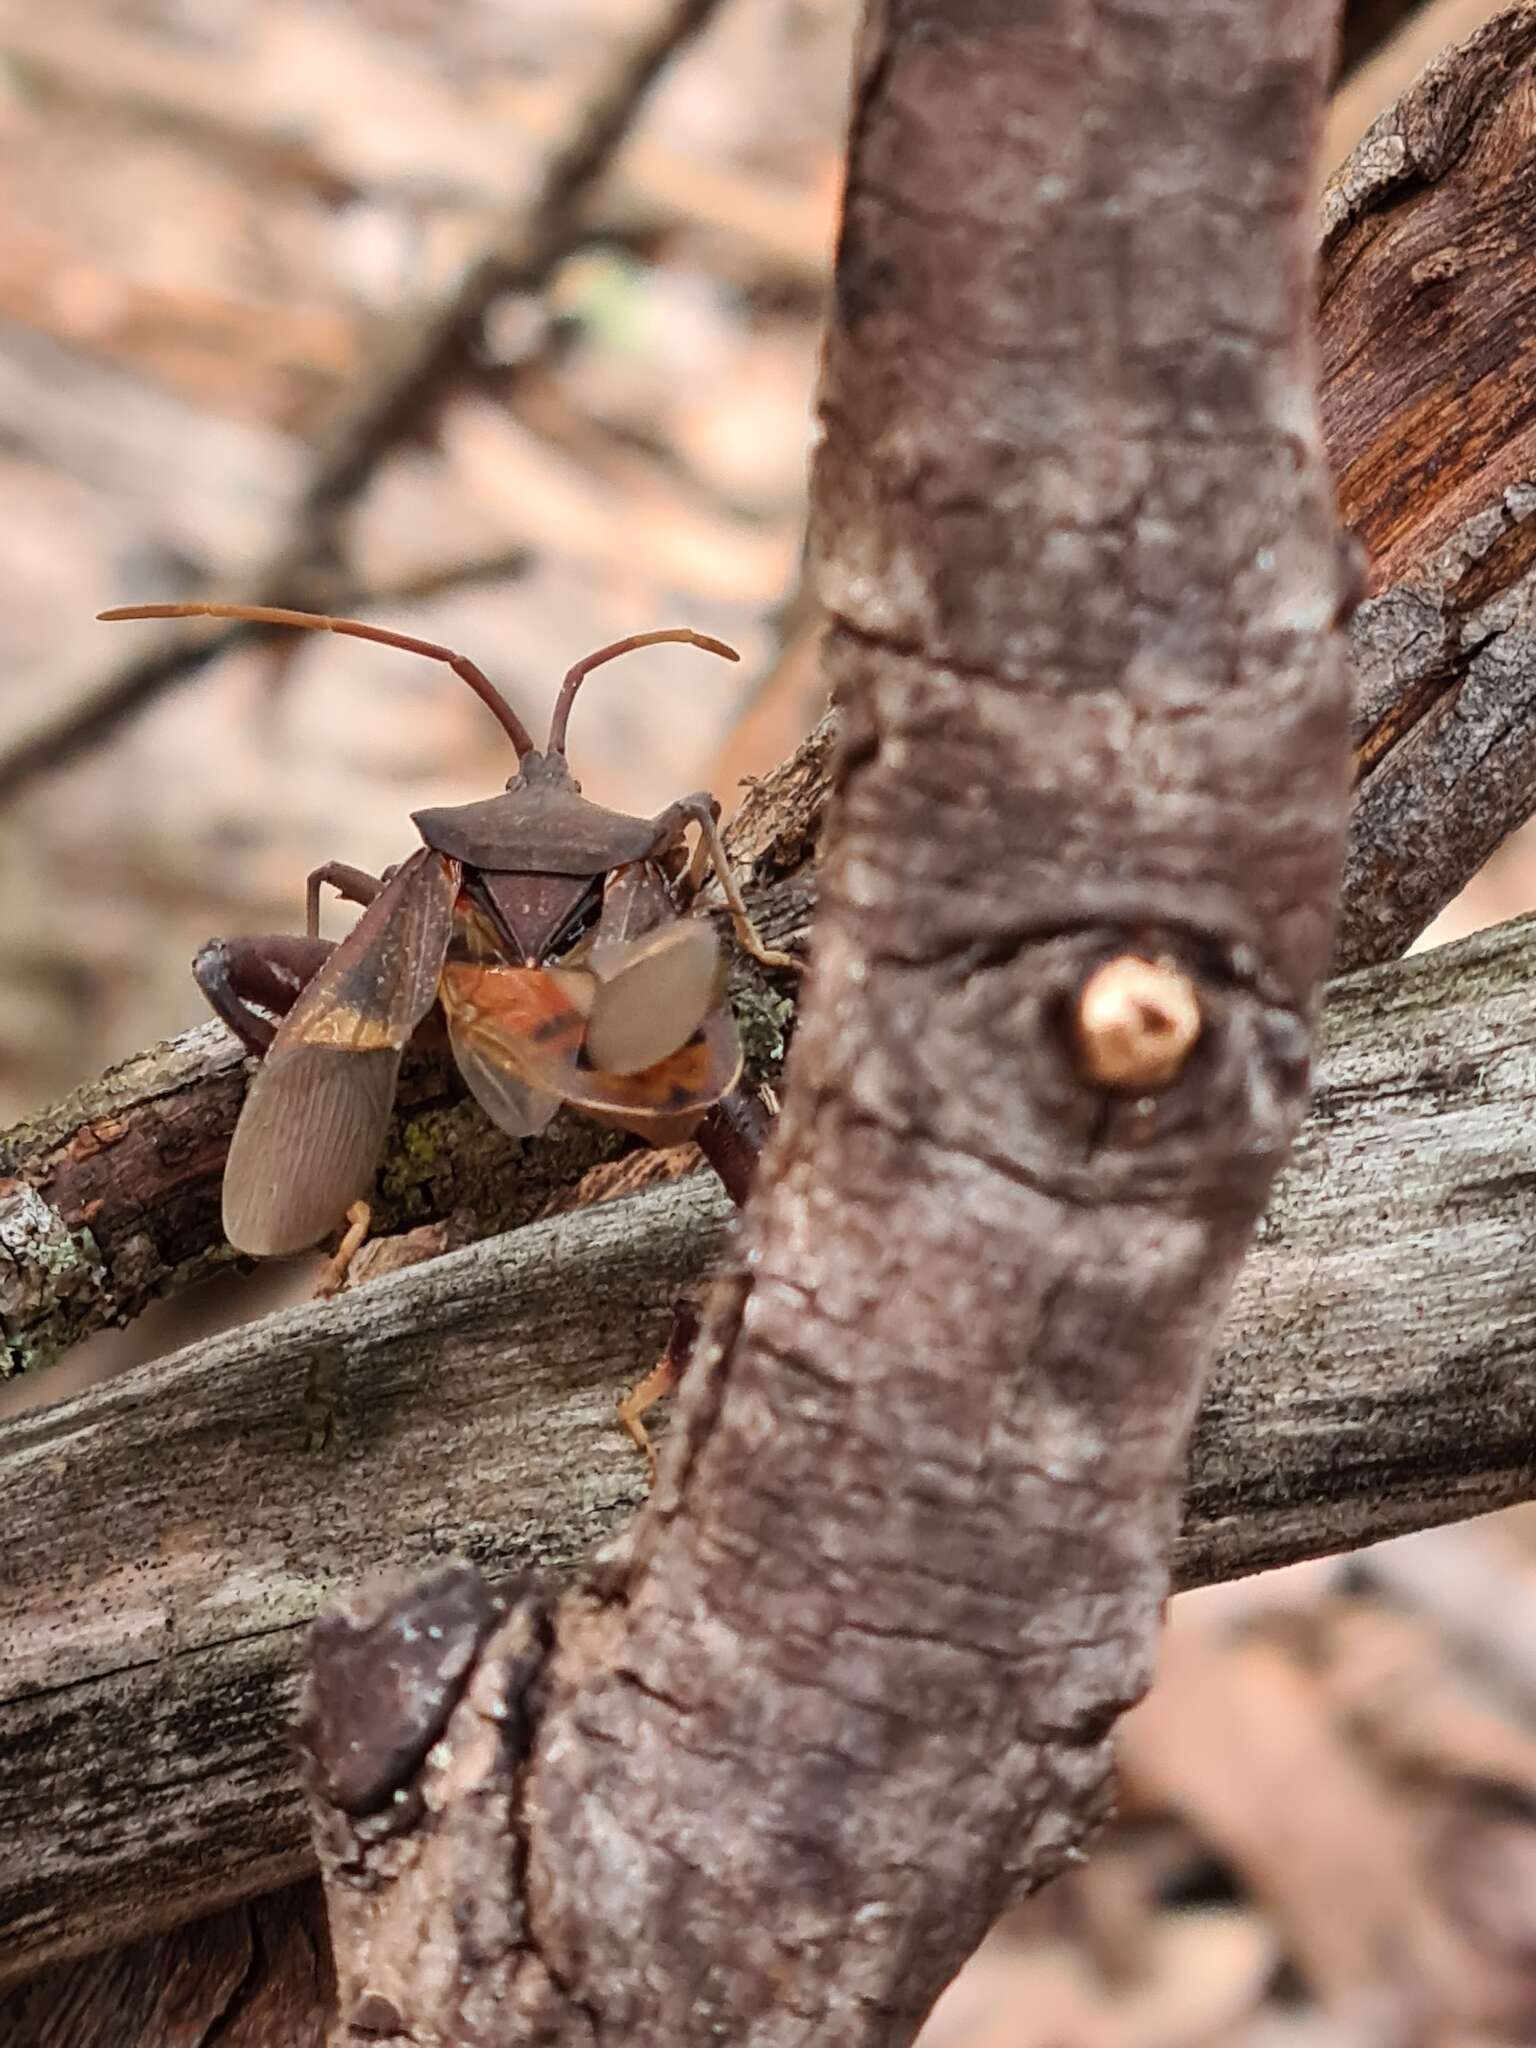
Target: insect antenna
{"x":271,"y":615}
{"x":583,"y":668}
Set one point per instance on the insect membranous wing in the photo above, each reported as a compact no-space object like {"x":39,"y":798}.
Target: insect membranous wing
{"x":520,"y":1025}
{"x":636,"y":902}
{"x":317,"y":1110}
{"x":533,"y":1022}
{"x":663,"y":1101}
{"x":653,"y":995}
{"x":507,"y":1099}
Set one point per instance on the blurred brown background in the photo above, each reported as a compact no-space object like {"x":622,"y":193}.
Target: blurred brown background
{"x":215,"y":214}
{"x":211,"y":214}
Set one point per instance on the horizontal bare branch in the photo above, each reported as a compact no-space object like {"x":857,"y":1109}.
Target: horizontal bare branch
{"x":111,"y":1198}
{"x":1378,"y":1375}
{"x":1422,"y":271}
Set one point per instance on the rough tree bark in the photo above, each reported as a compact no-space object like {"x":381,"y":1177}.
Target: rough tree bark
{"x":769,"y":1774}
{"x":1428,"y":186}
{"x":1426,"y":239}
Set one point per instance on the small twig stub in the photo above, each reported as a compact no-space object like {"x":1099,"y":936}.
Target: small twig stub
{"x":1136,"y":1024}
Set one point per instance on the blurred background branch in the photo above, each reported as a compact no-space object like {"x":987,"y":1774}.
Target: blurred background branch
{"x":1367,"y":24}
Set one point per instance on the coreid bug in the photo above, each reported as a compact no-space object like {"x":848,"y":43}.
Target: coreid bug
{"x":553,"y":933}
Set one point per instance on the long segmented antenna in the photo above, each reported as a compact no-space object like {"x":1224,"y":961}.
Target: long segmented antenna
{"x":270,"y":615}
{"x":583,"y":668}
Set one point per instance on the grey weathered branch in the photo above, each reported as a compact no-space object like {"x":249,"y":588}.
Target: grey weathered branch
{"x":210,"y":1503}
{"x":1378,"y":1373}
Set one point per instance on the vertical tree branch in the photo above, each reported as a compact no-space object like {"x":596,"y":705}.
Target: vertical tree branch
{"x":847,"y":1688}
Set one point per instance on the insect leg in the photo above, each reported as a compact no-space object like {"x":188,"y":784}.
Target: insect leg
{"x":243,"y":977}
{"x":703,"y":810}
{"x":333,"y":1274}
{"x":352,"y":885}
{"x":661,"y":1380}
{"x":731,"y":1138}
{"x":698,"y":867}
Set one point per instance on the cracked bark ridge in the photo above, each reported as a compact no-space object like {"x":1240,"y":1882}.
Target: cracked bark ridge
{"x":436,"y":1905}
{"x":847,"y":1686}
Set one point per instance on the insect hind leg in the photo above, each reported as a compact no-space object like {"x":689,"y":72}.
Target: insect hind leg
{"x":663,"y":1378}
{"x":242,"y":978}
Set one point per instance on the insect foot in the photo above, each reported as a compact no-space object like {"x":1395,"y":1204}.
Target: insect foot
{"x":333,"y":1276}
{"x":1137,"y":1022}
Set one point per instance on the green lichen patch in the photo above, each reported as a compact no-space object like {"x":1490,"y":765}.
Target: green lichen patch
{"x":51,"y":1281}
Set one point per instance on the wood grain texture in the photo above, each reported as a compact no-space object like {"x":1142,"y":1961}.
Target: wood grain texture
{"x":257,"y":1975}
{"x":1429,"y":407}
{"x":1378,"y":1369}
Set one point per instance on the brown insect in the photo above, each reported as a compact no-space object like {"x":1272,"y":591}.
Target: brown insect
{"x":553,"y":933}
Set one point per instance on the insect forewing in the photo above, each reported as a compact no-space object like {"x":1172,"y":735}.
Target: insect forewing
{"x":306,"y":1145}
{"x":636,"y":902}
{"x":382,"y":979}
{"x":315,"y":1115}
